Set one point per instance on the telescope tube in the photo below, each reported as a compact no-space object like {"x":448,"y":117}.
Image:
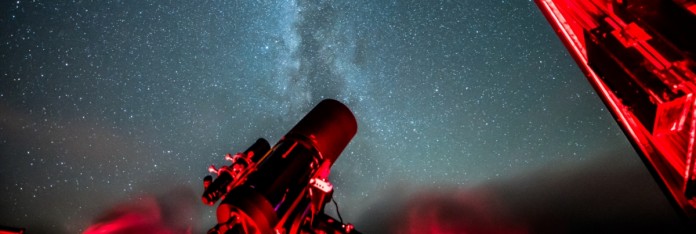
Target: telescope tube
{"x":276,"y":189}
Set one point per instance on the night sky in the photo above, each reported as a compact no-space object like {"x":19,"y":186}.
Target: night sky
{"x":106,"y":102}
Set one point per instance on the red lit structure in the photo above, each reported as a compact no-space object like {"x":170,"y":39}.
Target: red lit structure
{"x":11,"y":230}
{"x":640,"y":58}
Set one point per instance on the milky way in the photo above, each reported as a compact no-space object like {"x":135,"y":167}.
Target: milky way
{"x":105,"y":101}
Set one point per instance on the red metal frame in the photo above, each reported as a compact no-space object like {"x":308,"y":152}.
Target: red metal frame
{"x":647,"y":59}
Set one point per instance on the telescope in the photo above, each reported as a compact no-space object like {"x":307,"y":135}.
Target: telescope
{"x":284,"y":188}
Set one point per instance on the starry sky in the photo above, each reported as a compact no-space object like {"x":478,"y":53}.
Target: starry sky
{"x":103,"y":102}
